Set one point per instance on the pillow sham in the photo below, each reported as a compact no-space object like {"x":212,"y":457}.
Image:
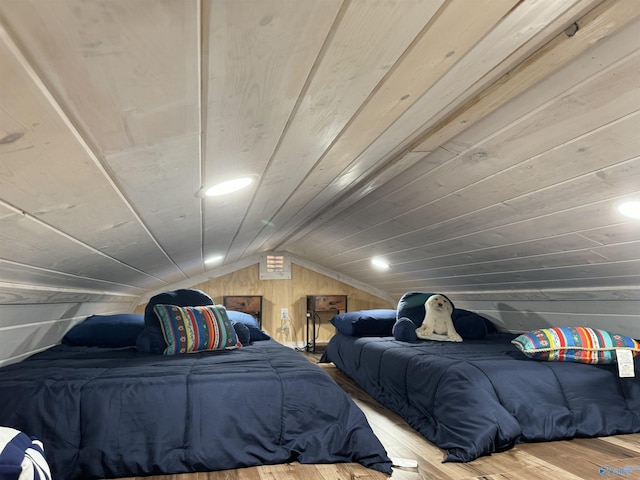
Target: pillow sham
{"x":106,"y":331}
{"x":255,"y":332}
{"x":574,"y":344}
{"x":365,"y":323}
{"x":196,"y":329}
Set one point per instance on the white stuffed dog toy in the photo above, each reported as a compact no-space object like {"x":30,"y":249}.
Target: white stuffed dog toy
{"x":437,"y":323}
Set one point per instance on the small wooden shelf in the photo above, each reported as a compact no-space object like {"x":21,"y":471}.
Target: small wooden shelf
{"x":251,"y":304}
{"x":317,"y":304}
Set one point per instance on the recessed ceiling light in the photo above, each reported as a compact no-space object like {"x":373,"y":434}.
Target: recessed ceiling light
{"x":214,"y":259}
{"x":379,"y":263}
{"x":630,"y":209}
{"x":227,"y":187}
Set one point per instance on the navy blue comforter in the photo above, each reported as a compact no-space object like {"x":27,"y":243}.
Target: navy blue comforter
{"x":483,"y":396}
{"x":118,"y":413}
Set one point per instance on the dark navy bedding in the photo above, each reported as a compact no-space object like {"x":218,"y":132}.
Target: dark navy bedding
{"x":483,"y":396}
{"x":104,"y":413}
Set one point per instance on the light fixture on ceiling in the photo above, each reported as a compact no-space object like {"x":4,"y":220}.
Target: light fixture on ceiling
{"x":380,"y":263}
{"x":214,"y":259}
{"x":630,"y":209}
{"x":226,"y":187}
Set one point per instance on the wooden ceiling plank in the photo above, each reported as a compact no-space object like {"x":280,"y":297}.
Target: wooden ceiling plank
{"x":26,"y":240}
{"x":333,"y":220}
{"x":602,"y":22}
{"x":358,"y":234}
{"x":162,"y":181}
{"x":572,"y":258}
{"x":110,"y":224}
{"x":125,"y":71}
{"x":463,"y":253}
{"x":13,"y":272}
{"x":488,"y":176}
{"x":555,"y":168}
{"x":508,"y":222}
{"x":359,"y":169}
{"x":552,"y":275}
{"x":434,"y":51}
{"x":525,"y":29}
{"x":259,"y":55}
{"x":367,"y":39}
{"x":594,"y":217}
{"x":24,"y":294}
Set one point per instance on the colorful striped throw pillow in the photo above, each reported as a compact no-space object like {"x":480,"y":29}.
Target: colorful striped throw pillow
{"x":196,"y":329}
{"x":574,"y":344}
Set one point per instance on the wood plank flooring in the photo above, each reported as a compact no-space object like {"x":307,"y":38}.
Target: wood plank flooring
{"x":576,"y":459}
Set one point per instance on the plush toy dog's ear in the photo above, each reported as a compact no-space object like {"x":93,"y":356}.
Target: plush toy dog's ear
{"x":405,"y":330}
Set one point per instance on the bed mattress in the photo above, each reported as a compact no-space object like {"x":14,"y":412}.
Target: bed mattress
{"x":104,"y":413}
{"x":483,"y":396}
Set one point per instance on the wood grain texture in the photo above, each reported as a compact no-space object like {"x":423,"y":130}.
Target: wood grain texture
{"x":596,"y":25}
{"x":290,"y":294}
{"x":334,"y":94}
{"x":482,"y":147}
{"x":27,"y":329}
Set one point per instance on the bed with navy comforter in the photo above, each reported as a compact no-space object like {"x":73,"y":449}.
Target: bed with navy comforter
{"x":105,"y":412}
{"x":483,"y":396}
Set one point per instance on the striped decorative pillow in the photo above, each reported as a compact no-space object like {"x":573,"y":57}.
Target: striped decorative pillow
{"x":196,"y":329}
{"x":574,"y":344}
{"x":22,"y":457}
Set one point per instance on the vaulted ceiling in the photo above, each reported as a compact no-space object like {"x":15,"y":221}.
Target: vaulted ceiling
{"x":477,"y":146}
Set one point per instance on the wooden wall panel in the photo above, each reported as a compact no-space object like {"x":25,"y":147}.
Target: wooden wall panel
{"x":28,"y":275}
{"x":287,"y":293}
{"x":28,"y":328}
{"x":524,"y":315}
{"x":16,"y":294}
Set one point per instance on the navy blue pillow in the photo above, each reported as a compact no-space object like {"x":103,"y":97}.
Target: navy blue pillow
{"x":255,"y":332}
{"x":469,"y":325}
{"x":186,"y":297}
{"x":242,"y":332}
{"x":365,"y":323}
{"x":151,"y":340}
{"x":405,"y":330}
{"x":106,"y":331}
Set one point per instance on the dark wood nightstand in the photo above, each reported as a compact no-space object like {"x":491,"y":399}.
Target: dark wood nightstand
{"x":317,"y":304}
{"x":251,"y":304}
